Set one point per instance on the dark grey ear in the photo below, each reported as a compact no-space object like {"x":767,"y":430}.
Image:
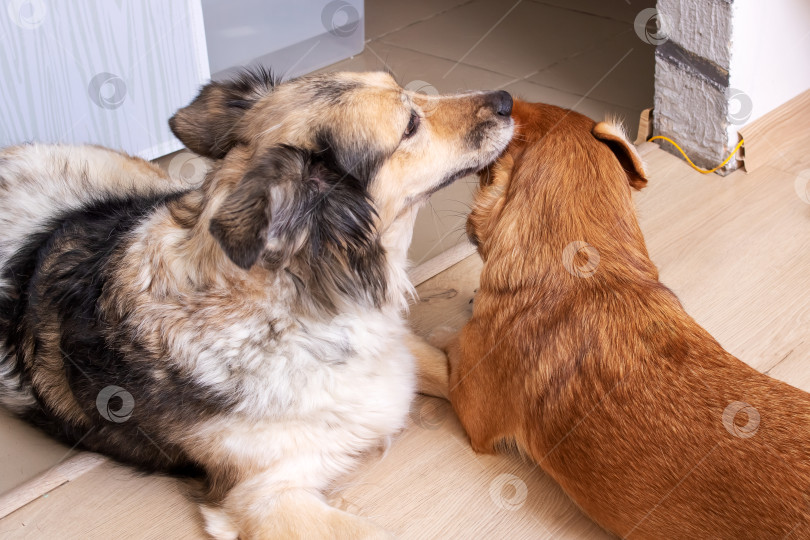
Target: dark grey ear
{"x":207,"y":125}
{"x":242,"y":224}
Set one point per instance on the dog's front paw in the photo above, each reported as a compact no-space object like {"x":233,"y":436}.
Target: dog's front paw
{"x":442,"y":337}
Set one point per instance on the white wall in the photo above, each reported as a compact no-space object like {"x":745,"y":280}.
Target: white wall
{"x":770,"y":54}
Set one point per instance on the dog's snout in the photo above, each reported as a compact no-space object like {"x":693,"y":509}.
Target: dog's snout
{"x":501,"y":102}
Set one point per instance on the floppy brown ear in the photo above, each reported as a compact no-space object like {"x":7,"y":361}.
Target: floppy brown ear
{"x":242,"y":223}
{"x":207,"y":125}
{"x":625,"y":152}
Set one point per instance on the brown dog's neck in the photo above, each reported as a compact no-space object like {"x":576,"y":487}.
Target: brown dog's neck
{"x":565,"y":262}
{"x":568,"y":220}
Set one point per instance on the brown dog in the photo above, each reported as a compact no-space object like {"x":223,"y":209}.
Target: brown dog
{"x":579,"y":355}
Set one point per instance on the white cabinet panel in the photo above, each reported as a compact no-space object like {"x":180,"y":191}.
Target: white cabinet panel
{"x":95,"y":71}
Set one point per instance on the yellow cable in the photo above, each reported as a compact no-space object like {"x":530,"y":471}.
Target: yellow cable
{"x":704,"y":171}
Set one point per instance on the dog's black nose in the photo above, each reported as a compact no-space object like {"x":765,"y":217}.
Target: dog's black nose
{"x":502,"y":103}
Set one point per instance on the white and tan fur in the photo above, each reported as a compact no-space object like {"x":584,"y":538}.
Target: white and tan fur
{"x":250,"y":360}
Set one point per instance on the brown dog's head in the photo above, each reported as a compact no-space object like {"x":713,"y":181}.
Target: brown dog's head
{"x":330,"y":169}
{"x":560,"y":163}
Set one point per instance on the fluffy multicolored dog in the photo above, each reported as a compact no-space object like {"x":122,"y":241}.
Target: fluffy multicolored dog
{"x":577,"y":354}
{"x":250,"y":328}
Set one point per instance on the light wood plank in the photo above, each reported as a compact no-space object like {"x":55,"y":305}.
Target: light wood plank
{"x":645,"y":127}
{"x":776,"y":138}
{"x":443,"y":261}
{"x":735,"y":250}
{"x":446,"y":299}
{"x":25,"y":452}
{"x":645,"y":148}
{"x":110,"y":501}
{"x":59,"y":474}
{"x":432,"y":485}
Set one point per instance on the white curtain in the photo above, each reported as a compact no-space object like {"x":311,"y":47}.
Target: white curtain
{"x":108,"y":72}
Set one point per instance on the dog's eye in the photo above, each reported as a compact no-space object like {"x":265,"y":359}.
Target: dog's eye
{"x":413,"y":124}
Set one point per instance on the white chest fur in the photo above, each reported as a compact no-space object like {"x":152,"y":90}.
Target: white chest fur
{"x":325,"y":393}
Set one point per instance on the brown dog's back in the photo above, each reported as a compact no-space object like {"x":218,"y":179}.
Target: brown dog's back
{"x":578,"y":353}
